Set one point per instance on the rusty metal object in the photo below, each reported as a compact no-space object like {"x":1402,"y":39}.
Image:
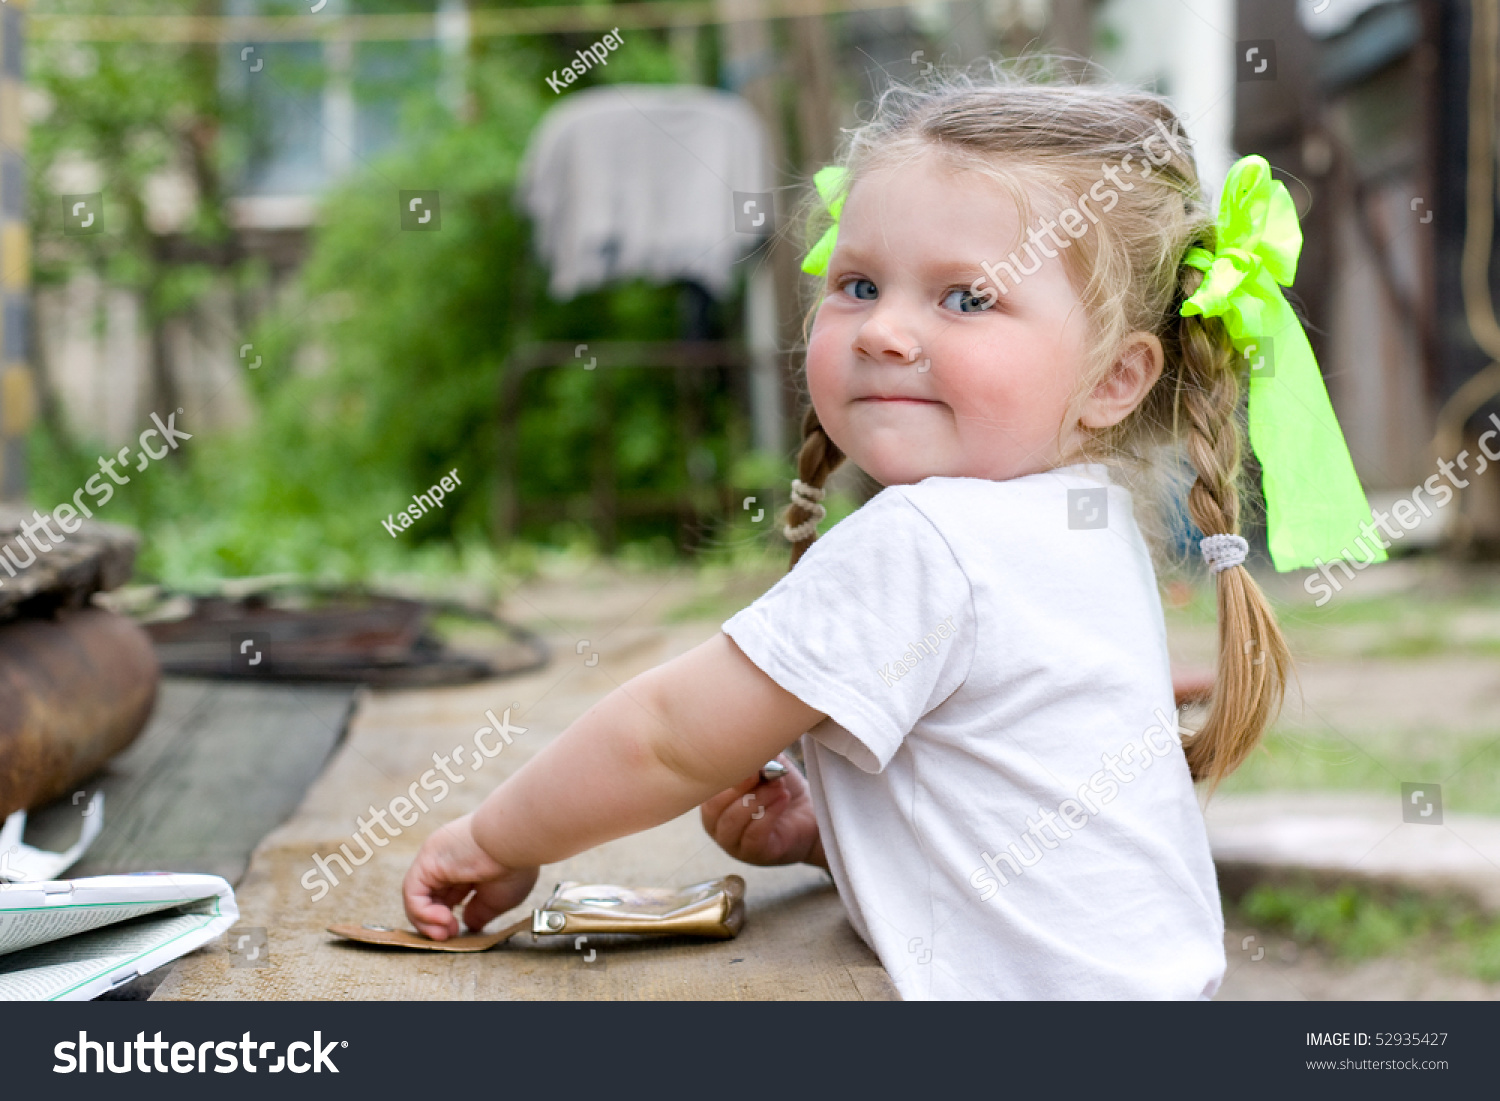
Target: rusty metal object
{"x":341,"y":636}
{"x":74,"y":691}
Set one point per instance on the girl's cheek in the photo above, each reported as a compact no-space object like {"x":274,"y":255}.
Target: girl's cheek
{"x":823,"y":374}
{"x":822,"y":354}
{"x":971,"y":381}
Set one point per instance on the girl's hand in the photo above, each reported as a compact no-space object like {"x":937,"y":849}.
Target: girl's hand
{"x":766,"y":822}
{"x":451,"y":865}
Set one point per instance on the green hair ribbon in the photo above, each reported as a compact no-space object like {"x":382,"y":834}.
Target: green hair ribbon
{"x":1314,"y":504}
{"x":829,"y":180}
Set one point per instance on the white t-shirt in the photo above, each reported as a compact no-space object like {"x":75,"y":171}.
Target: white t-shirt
{"x":1004,"y":803}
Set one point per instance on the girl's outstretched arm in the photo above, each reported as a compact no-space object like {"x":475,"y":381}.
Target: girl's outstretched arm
{"x":654,"y":748}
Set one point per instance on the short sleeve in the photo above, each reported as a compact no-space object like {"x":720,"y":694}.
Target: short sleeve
{"x":874,"y":627}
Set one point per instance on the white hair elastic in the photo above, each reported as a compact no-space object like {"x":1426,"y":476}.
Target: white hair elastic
{"x":807,"y":497}
{"x":1223,"y":551}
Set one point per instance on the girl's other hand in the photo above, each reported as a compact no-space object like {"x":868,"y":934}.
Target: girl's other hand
{"x":1193,"y":685}
{"x":767,"y":821}
{"x":449,"y":866}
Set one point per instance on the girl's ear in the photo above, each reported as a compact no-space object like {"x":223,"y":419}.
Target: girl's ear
{"x":1131,"y":376}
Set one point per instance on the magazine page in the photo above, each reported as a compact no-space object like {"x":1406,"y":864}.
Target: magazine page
{"x":74,"y":940}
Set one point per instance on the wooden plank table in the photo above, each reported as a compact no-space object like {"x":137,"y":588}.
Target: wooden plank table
{"x":97,"y":557}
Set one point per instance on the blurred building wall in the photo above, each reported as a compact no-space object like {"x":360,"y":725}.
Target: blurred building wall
{"x":1343,"y":114}
{"x":1187,"y":55}
{"x":1367,"y":122}
{"x":323,"y":116}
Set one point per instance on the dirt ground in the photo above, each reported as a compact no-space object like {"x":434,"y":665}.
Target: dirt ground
{"x":1265,"y":967}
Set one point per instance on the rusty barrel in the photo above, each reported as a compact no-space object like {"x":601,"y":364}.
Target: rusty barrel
{"x":74,"y":690}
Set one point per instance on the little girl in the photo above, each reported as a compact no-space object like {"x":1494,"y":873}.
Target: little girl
{"x":976,"y":660}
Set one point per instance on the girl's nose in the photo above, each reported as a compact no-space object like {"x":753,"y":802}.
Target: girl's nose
{"x":882,"y":338}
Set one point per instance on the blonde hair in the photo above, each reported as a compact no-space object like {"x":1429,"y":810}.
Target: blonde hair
{"x":1048,"y":144}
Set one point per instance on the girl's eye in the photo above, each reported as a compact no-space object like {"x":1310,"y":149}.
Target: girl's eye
{"x":853,"y":285}
{"x":969,"y":302}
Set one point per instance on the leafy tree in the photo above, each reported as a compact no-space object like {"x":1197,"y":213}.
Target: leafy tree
{"x":131,"y":109}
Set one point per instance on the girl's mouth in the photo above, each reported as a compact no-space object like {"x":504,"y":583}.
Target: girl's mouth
{"x":911,"y":401}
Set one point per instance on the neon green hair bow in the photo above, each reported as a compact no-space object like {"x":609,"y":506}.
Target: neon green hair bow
{"x":1314,"y":504}
{"x":829,"y":180}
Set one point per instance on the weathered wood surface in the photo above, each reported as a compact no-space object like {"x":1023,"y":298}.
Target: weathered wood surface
{"x":217,"y":768}
{"x":97,"y":557}
{"x":797,"y":942}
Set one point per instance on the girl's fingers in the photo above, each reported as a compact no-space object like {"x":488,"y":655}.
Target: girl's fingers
{"x":743,"y":819}
{"x":478,"y":913}
{"x":499,"y":896}
{"x":729,"y":827}
{"x":713,"y":808}
{"x":753,"y":813}
{"x":449,"y":869}
{"x":430,"y":911}
{"x":431,"y":892}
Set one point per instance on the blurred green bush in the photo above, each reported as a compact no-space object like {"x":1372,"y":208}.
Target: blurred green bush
{"x":381,"y":363}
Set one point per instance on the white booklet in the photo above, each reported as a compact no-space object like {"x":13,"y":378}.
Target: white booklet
{"x":74,"y":939}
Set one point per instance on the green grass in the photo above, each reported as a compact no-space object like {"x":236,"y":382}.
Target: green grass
{"x":1422,"y":623}
{"x":1423,"y":645}
{"x":1414,"y":629}
{"x":1355,"y":923}
{"x":1464,"y":763}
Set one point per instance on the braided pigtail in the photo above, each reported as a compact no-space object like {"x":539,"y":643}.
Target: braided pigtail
{"x":818,"y":458}
{"x":1253,"y":655}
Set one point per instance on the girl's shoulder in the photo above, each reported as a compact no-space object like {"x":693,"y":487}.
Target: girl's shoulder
{"x":947,"y":511}
{"x":1028,"y":491}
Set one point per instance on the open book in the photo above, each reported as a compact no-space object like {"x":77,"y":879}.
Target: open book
{"x":74,"y":939}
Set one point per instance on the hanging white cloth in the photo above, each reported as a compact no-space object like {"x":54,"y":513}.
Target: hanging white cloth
{"x":631,"y":180}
